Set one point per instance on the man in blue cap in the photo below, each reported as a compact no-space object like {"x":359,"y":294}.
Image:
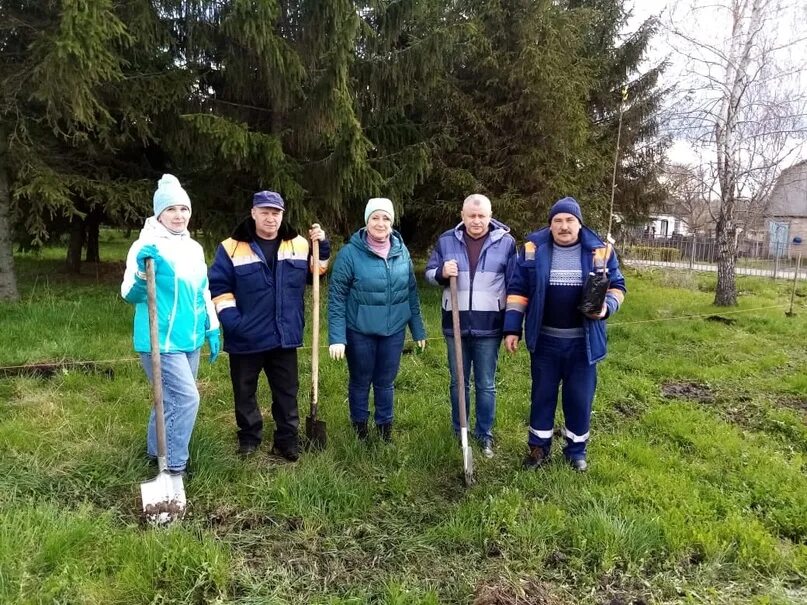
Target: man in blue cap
{"x":257,"y":281}
{"x":565,"y":344}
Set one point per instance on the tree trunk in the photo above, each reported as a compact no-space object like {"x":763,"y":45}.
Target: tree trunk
{"x":93,"y":223}
{"x":8,"y":279}
{"x":77,"y":237}
{"x":726,"y":290}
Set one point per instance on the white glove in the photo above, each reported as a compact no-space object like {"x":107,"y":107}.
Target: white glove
{"x":337,"y":351}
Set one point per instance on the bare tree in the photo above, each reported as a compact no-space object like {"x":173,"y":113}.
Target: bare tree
{"x":690,"y":194}
{"x":742,"y":104}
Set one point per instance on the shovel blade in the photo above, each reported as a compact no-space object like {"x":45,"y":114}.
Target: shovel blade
{"x":316,"y":433}
{"x":163,"y":498}
{"x":468,"y":464}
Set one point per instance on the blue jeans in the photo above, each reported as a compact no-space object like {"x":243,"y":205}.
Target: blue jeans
{"x":180,"y":401}
{"x":481,"y":353}
{"x":562,"y":360}
{"x":375,"y":360}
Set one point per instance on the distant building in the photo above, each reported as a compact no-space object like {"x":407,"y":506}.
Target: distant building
{"x":665,"y":226}
{"x":786,"y":216}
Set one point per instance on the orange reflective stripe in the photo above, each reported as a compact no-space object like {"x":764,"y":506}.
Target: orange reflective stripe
{"x":223,"y":297}
{"x":519,"y":300}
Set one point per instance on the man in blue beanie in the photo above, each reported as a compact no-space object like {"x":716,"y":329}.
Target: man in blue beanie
{"x":565,"y":344}
{"x":257,"y":280}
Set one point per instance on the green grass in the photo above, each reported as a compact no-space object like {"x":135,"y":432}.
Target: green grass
{"x":700,"y":499}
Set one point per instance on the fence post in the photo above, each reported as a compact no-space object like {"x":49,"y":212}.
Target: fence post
{"x":776,"y":261}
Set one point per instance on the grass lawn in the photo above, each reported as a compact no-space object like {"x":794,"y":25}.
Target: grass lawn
{"x":697,"y":491}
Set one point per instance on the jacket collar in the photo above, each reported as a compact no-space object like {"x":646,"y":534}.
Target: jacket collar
{"x":245,"y":231}
{"x":496,"y":232}
{"x":589,"y":240}
{"x":359,"y":239}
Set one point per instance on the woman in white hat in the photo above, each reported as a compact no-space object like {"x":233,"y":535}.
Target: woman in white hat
{"x":185,"y":314}
{"x":372,"y":298}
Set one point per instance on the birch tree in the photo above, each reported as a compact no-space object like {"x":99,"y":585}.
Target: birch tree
{"x":742,"y":104}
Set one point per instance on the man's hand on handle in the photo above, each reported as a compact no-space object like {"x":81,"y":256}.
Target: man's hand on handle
{"x":450,"y":269}
{"x":315,"y":233}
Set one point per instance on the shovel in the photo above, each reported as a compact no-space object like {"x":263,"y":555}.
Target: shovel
{"x":164,"y":496}
{"x":315,"y":433}
{"x":467,"y":454}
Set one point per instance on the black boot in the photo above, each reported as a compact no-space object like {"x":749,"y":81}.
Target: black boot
{"x":361,"y":430}
{"x":385,"y":431}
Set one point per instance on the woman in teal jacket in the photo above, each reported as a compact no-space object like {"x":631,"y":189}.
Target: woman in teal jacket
{"x":185,"y":315}
{"x":372,"y":297}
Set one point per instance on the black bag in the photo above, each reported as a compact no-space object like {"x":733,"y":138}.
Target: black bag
{"x":594,"y":291}
{"x":597,"y":283}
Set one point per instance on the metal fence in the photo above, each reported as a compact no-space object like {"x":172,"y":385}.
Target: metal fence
{"x":700,"y":253}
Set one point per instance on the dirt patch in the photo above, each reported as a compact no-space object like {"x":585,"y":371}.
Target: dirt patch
{"x":225,"y":519}
{"x":623,"y":600}
{"x":687,"y":390}
{"x":556,"y":559}
{"x":794,"y":403}
{"x":627,"y":408}
{"x":49,"y":370}
{"x":729,"y":321}
{"x":526,"y":592}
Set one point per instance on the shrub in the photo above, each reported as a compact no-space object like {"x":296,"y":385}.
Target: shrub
{"x":658,"y":253}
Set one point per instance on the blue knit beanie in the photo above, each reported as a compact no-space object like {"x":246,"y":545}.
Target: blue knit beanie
{"x":379,"y":203}
{"x":169,"y":193}
{"x":568,"y":205}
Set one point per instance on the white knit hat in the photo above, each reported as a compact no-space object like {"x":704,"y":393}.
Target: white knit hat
{"x":379,"y":203}
{"x":169,"y":193}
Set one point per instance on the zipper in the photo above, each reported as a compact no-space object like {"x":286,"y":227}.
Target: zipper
{"x":389,"y":292}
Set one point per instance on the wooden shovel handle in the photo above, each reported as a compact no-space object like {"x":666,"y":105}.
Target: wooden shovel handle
{"x":156,"y":368}
{"x":459,"y":362}
{"x":315,"y":329}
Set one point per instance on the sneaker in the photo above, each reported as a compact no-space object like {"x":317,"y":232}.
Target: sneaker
{"x":487,"y":448}
{"x":385,"y":432}
{"x":537,"y":457}
{"x":579,"y":464}
{"x":247,"y":449}
{"x":290,"y":453}
{"x":361,"y":430}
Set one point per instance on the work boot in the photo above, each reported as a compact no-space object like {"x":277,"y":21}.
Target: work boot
{"x":537,"y":457}
{"x":289,"y":452}
{"x":385,"y":432}
{"x":245,"y":450}
{"x":487,"y":447}
{"x":579,"y":464}
{"x":361,"y":430}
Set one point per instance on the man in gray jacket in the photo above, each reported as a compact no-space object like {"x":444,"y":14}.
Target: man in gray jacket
{"x":480,"y":253}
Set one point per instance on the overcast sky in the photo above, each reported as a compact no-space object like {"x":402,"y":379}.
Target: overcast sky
{"x":711,"y":28}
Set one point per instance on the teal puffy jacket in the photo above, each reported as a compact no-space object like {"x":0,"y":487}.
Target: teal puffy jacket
{"x":370,"y":295}
{"x":185,"y":311}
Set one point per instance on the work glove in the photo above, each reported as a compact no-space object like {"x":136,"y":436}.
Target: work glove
{"x":214,"y":342}
{"x":337,"y":351}
{"x":147,"y":251}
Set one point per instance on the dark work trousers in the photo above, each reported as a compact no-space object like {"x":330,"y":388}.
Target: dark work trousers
{"x":556,"y":361}
{"x":280,"y":367}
